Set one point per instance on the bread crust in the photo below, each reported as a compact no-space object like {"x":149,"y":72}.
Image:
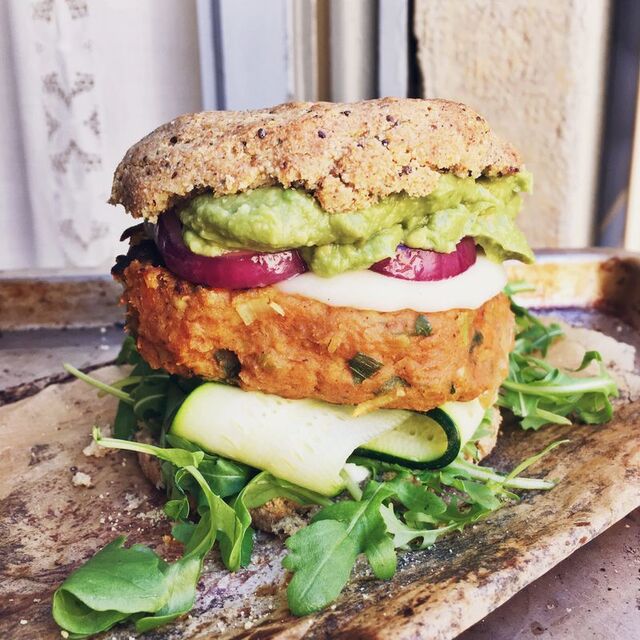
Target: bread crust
{"x":297,"y":347}
{"x":348,"y":155}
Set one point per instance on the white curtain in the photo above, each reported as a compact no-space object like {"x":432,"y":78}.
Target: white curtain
{"x":82,"y":80}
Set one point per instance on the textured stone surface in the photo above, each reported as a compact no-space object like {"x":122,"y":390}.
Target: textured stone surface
{"x":535,"y":71}
{"x":591,"y":595}
{"x":48,"y":526}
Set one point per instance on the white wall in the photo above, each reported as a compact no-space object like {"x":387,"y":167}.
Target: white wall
{"x":16,"y":242}
{"x":143,"y":61}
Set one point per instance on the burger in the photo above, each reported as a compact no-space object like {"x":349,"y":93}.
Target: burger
{"x":338,"y":267}
{"x":320,"y":337}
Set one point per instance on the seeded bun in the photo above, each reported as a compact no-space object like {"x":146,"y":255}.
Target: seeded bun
{"x":348,"y":155}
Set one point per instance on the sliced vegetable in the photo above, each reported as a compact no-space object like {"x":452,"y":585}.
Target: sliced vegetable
{"x":423,"y":326}
{"x":430,"y":440}
{"x":363,"y":366}
{"x":306,"y":442}
{"x":424,"y":265}
{"x":234,"y":270}
{"x":466,"y":415}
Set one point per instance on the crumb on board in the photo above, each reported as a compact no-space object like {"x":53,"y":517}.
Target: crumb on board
{"x":81,"y":479}
{"x":132,"y":501}
{"x":281,"y":517}
{"x":94,"y":450}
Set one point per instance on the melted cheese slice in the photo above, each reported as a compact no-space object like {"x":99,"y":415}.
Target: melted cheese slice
{"x":373,"y":291}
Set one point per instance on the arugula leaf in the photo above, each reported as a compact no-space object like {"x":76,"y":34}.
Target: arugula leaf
{"x":129,"y":352}
{"x":420,"y":499}
{"x":115,"y":583}
{"x":541,"y":394}
{"x":182,"y":531}
{"x":120,"y":583}
{"x":79,"y":620}
{"x":177,"y":457}
{"x":532,"y":334}
{"x":98,"y":384}
{"x":525,"y":464}
{"x":221,"y":516}
{"x":224,"y":477}
{"x":125,"y":422}
{"x":181,"y":579}
{"x":322,"y":555}
{"x":402,"y":534}
{"x":177,"y":509}
{"x":478,"y":492}
{"x":265,"y":487}
{"x":488,"y":475}
{"x":380,"y":552}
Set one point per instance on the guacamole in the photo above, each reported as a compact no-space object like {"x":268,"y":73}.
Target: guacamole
{"x":274,"y":218}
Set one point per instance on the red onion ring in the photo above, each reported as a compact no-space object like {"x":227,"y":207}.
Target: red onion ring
{"x":424,"y":265}
{"x":234,"y":270}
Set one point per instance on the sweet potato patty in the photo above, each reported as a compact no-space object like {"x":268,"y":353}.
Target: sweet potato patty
{"x":296,"y":347}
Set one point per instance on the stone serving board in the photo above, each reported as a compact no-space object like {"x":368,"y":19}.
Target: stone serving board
{"x":48,"y":525}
